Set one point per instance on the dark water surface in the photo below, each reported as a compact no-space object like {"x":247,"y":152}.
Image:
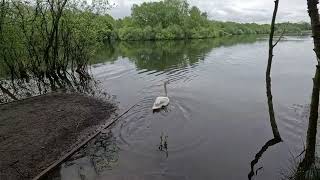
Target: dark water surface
{"x":217,"y":123}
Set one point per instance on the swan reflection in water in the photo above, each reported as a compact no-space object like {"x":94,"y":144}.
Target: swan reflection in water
{"x":163,"y":146}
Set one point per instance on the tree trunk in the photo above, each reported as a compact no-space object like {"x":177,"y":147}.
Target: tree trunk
{"x":313,"y":118}
{"x":275,"y":131}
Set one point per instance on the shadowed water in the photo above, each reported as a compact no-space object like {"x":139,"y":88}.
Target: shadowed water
{"x":217,"y":123}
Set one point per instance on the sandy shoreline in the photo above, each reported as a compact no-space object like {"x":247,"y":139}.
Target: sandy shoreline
{"x":37,"y":131}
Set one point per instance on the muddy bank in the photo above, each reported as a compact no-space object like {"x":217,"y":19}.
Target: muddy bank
{"x":37,"y":131}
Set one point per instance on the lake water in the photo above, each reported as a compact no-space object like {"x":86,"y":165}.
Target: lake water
{"x":217,"y":122}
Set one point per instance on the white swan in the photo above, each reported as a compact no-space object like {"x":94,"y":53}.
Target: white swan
{"x":161,"y":101}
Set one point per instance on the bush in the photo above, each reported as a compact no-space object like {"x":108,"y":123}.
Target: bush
{"x":131,"y":34}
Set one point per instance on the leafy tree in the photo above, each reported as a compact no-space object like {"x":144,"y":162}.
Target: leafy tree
{"x":175,"y":19}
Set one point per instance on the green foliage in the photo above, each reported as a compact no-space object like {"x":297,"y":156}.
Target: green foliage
{"x":41,"y":42}
{"x":296,"y":28}
{"x":42,"y":36}
{"x":166,"y":13}
{"x":170,"y":33}
{"x":174,"y":19}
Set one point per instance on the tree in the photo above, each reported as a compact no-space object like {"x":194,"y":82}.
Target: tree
{"x":313,"y":117}
{"x":268,"y":72}
{"x":41,"y":41}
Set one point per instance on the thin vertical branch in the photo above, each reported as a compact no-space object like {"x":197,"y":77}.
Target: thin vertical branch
{"x":276,"y":135}
{"x":275,"y":130}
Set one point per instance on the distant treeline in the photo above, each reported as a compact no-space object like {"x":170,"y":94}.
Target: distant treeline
{"x":175,"y":19}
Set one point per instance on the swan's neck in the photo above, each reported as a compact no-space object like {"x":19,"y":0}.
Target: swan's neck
{"x":165,"y":89}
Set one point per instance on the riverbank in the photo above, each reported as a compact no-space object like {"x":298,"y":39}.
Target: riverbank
{"x":37,"y":131}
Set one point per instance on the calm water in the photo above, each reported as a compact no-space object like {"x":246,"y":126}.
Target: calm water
{"x":217,"y":123}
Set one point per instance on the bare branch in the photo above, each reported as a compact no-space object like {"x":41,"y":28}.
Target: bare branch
{"x":279,"y":39}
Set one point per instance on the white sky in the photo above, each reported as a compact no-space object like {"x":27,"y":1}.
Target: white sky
{"x":259,"y":11}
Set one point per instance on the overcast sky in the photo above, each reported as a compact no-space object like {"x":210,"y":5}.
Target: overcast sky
{"x":259,"y":11}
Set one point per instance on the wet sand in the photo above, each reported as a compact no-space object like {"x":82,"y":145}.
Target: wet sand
{"x":37,"y":131}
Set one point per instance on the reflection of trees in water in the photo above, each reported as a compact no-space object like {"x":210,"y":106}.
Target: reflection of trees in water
{"x":275,"y":140}
{"x":99,"y":155}
{"x":71,"y":82}
{"x":257,"y":157}
{"x":161,"y":55}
